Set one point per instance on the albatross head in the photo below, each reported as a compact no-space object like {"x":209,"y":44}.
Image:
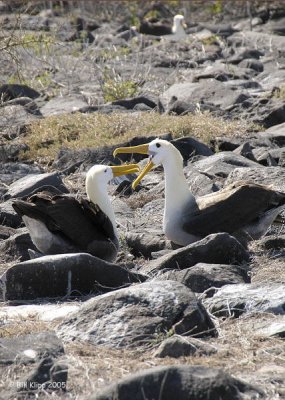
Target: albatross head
{"x":160,"y":152}
{"x":98,"y":176}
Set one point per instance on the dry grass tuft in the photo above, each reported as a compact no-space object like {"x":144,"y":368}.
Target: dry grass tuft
{"x":267,"y":269}
{"x":46,"y":136}
{"x":240,"y":353}
{"x":24,"y":327}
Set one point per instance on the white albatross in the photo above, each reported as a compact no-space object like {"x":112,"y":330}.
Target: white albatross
{"x":244,"y":210}
{"x":178,"y":28}
{"x":60,"y":223}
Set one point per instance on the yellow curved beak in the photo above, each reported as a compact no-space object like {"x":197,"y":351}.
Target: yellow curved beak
{"x":146,"y":169}
{"x":140,"y":149}
{"x":119,"y":170}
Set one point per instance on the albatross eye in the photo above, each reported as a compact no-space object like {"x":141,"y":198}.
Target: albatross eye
{"x":158,"y":144}
{"x":105,"y":170}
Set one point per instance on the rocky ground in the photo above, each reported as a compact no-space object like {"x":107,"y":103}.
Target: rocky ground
{"x":203,"y":321}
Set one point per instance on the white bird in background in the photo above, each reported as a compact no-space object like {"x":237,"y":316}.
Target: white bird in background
{"x":178,"y":31}
{"x":244,"y":210}
{"x":60,"y":223}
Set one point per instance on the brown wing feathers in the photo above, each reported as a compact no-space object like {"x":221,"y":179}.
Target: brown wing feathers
{"x":78,"y":220}
{"x":239,"y":207}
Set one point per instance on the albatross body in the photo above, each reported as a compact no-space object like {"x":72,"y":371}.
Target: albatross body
{"x":244,"y":210}
{"x":60,"y":223}
{"x":178,"y":31}
{"x":165,"y":31}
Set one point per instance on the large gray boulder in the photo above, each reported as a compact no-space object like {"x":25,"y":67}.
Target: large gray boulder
{"x":179,"y":382}
{"x":137,"y":315}
{"x":211,"y":92}
{"x":69,"y":273}
{"x":218,"y":248}
{"x":30,"y":183}
{"x":223,"y":163}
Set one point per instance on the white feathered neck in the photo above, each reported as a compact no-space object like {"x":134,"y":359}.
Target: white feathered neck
{"x":97,"y":193}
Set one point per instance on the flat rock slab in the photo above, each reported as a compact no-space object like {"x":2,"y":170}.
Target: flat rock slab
{"x":223,"y":163}
{"x":203,"y":276}
{"x":77,"y":273}
{"x":276,"y":134}
{"x":41,"y":312}
{"x":29,"y":348}
{"x":134,"y":316}
{"x":259,"y":40}
{"x":234,"y":300}
{"x":179,"y":382}
{"x":273,"y":176}
{"x":272,"y":328}
{"x":28,"y":184}
{"x":64,"y":105}
{"x":211,"y":92}
{"x":218,"y":248}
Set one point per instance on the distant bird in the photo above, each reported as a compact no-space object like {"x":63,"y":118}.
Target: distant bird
{"x":159,"y":28}
{"x":244,"y":210}
{"x":60,"y":223}
{"x":178,"y":31}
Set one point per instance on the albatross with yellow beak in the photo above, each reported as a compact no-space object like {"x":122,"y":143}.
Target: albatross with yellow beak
{"x":60,"y":223}
{"x":244,"y":210}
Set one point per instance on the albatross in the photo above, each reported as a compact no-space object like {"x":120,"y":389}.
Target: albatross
{"x":60,"y":223}
{"x":174,"y":32}
{"x":178,"y":31}
{"x":244,"y":210}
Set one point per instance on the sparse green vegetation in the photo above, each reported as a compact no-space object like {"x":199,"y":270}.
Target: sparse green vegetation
{"x":133,"y":11}
{"x":161,"y":336}
{"x":44,"y":78}
{"x":46,"y":136}
{"x":111,"y":53}
{"x":115,"y":87}
{"x":216,"y":7}
{"x":210,"y":40}
{"x":38,"y":42}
